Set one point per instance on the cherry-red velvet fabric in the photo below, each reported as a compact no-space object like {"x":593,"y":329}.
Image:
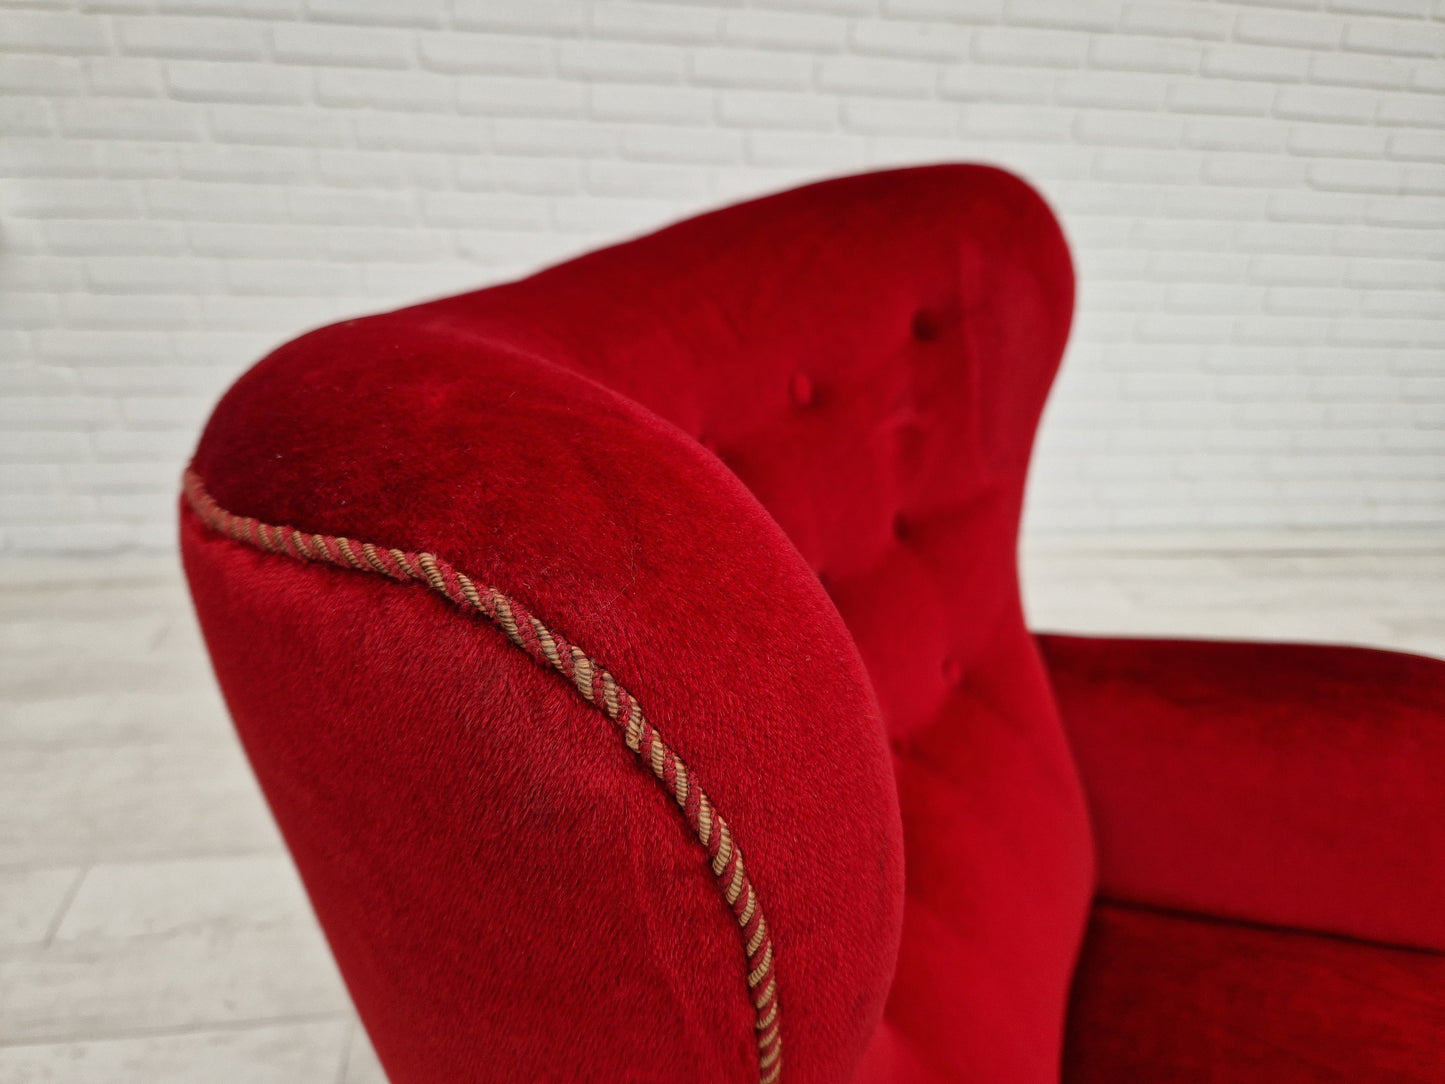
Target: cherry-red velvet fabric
{"x":1295,"y":793}
{"x":1291,"y":784}
{"x":867,"y":359}
{"x":765,"y":465}
{"x":1190,"y":1000}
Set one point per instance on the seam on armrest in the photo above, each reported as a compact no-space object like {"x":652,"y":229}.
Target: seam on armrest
{"x":592,"y":681}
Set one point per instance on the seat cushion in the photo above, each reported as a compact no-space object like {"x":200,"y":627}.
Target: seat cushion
{"x":1190,"y":1000}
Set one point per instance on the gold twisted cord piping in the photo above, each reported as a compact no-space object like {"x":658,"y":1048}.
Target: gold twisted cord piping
{"x":592,"y":681}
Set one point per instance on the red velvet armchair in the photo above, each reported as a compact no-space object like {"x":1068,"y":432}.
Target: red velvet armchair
{"x":633,"y":658}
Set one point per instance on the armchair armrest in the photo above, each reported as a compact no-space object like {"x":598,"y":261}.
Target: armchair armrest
{"x":1293,"y":785}
{"x":525,"y":673}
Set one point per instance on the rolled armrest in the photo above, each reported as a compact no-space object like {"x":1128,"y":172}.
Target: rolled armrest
{"x":1295,"y":785}
{"x":578,"y":762}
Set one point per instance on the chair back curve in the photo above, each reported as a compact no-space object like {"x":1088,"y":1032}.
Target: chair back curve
{"x":749,"y":485}
{"x":870,"y":356}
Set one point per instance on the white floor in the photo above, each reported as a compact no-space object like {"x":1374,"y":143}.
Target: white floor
{"x":151,"y":927}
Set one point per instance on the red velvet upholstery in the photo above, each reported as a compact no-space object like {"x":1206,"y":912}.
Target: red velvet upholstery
{"x":766,"y":465}
{"x":1192,"y":1000}
{"x":1276,"y":785}
{"x":1288,"y":784}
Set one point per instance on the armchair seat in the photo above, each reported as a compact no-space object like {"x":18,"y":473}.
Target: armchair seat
{"x":633,"y":659}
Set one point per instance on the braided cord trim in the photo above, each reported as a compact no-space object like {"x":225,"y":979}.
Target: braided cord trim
{"x":595,"y":685}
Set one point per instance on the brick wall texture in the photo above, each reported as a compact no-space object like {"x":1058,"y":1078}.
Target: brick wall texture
{"x":1255,"y":194}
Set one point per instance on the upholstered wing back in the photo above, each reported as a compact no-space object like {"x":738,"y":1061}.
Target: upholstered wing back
{"x":632,"y":655}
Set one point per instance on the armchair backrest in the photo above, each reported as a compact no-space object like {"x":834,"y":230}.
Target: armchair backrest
{"x":868,"y":357}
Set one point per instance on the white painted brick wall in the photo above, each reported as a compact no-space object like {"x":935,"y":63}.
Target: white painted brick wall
{"x":1255,"y":193}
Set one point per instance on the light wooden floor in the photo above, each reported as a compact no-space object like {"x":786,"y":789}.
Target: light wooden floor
{"x":151,"y":927}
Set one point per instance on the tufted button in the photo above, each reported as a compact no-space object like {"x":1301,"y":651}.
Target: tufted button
{"x":952,"y":670}
{"x":801,"y":389}
{"x":925,"y":327}
{"x":901,"y":527}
